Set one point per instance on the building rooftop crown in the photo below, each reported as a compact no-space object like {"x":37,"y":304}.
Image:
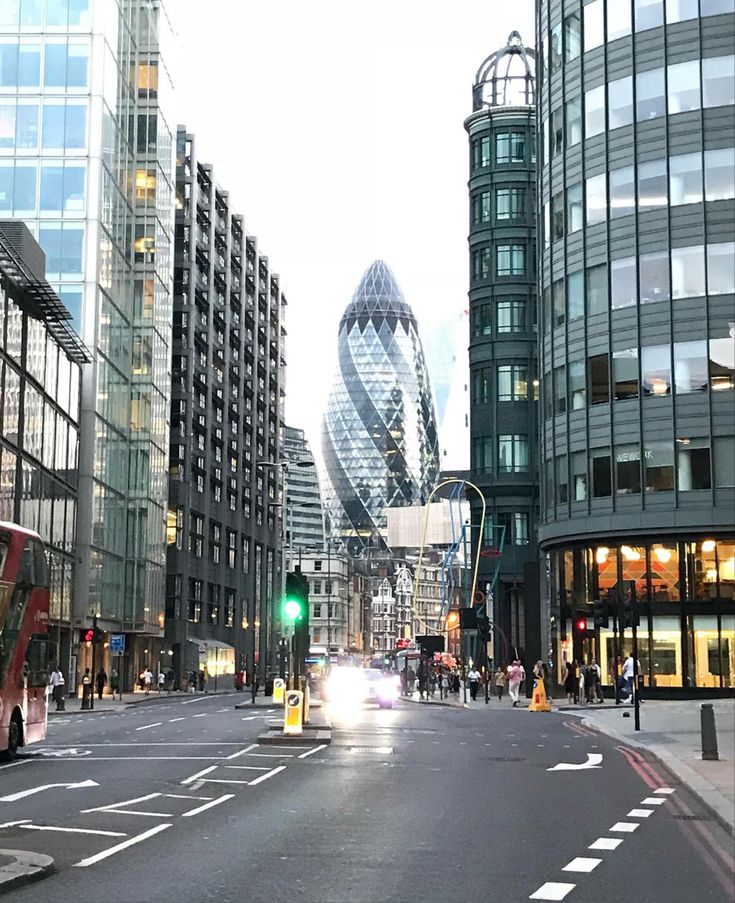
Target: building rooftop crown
{"x":507,"y":77}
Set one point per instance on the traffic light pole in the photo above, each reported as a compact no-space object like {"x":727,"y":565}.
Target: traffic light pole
{"x":94,"y":661}
{"x":634,"y":625}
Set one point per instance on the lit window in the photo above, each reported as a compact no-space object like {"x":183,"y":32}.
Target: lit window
{"x":596,"y":199}
{"x":718,"y":81}
{"x":683,"y":87}
{"x":722,"y":359}
{"x":687,"y":272}
{"x":145,"y":185}
{"x":594,"y":111}
{"x":685,"y":179}
{"x":719,"y":174}
{"x":618,"y":20}
{"x":147,"y":79}
{"x":690,"y":367}
{"x":693,"y":464}
{"x":594,"y":25}
{"x":512,"y":383}
{"x":650,"y":101}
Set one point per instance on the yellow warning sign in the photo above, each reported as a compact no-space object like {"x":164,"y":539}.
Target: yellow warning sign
{"x":293,"y":712}
{"x":279,"y":687}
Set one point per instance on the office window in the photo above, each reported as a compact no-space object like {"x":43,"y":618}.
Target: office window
{"x":623,"y":289}
{"x":718,"y":81}
{"x":573,"y":121}
{"x":622,"y":192}
{"x":557,"y":217}
{"x":599,"y":378}
{"x":481,"y":208}
{"x":719,"y":174}
{"x":627,"y":470}
{"x":685,"y":179}
{"x":510,"y":260}
{"x":510,"y":147}
{"x":650,"y":100}
{"x":656,"y":370}
{"x":481,"y":263}
{"x":560,"y":390}
{"x":575,"y":210}
{"x":620,"y":102}
{"x":572,"y":37}
{"x":577,"y":385}
{"x":648,"y":14}
{"x":690,"y":367}
{"x":512,"y":454}
{"x":558,"y":302}
{"x":556,"y":135}
{"x":652,"y":185}
{"x":562,"y":479}
{"x":716,"y":7}
{"x":594,"y":25}
{"x":596,"y":199}
{"x":482,"y":454}
{"x":721,"y":268}
{"x":601,"y":476}
{"x":579,"y":476}
{"x":594,"y":111}
{"x":681,"y":10}
{"x":658,"y":458}
{"x":687,"y":272}
{"x":597,"y":289}
{"x":510,"y":203}
{"x":520,"y":528}
{"x":512,"y":382}
{"x":653,"y":274}
{"x":724,"y":449}
{"x":683,"y":87}
{"x":512,"y":315}
{"x":625,"y":373}
{"x":721,"y":360}
{"x":480,"y":149}
{"x":575,"y":295}
{"x":618,"y":20}
{"x":693,"y":464}
{"x":481,"y":317}
{"x":555,"y":48}
{"x":481,"y":385}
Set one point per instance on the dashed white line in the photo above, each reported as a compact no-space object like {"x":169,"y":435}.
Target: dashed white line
{"x":242,"y":752}
{"x":639,"y":813}
{"x":171,"y":720}
{"x":264,"y":777}
{"x":312,"y":751}
{"x":209,"y":805}
{"x":653,"y":801}
{"x":582,"y":864}
{"x":625,"y":827}
{"x":552,"y":890}
{"x":139,"y":838}
{"x":194,"y":777}
{"x":73,"y":830}
{"x":606,"y":843}
{"x":146,"y":726}
{"x":110,"y":806}
{"x":665,"y":790}
{"x":201,"y":715}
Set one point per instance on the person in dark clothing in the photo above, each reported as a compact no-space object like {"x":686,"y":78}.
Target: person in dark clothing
{"x":101,"y":682}
{"x":571,"y":682}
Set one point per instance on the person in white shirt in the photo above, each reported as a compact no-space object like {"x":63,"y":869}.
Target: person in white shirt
{"x":56,"y":682}
{"x":630,"y":668}
{"x":516,"y":676}
{"x":473,"y":677}
{"x":147,"y":680}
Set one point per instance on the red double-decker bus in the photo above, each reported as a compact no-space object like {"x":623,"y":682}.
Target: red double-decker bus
{"x":25,"y":649}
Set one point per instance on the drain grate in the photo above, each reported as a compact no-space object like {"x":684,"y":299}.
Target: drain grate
{"x":692,"y":817}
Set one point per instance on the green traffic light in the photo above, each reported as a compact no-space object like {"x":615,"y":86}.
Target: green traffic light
{"x":292,"y":609}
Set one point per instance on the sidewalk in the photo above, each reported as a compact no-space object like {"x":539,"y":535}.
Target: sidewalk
{"x":107,"y":704}
{"x":671,"y":731}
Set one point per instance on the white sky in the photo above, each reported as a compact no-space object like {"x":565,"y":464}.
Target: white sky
{"x":337,"y":128}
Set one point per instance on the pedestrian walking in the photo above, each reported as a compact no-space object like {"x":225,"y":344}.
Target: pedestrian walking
{"x":593,"y":682}
{"x":571,"y":683}
{"x":631,"y":668}
{"x":101,"y":682}
{"x":473,"y":677}
{"x":147,"y":680}
{"x":499,"y":682}
{"x":445,"y":686}
{"x":57,"y":683}
{"x":170,"y":680}
{"x":115,"y":683}
{"x":516,"y":676}
{"x":161,"y":681}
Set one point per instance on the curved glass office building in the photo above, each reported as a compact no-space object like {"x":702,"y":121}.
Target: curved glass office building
{"x":636,"y":107}
{"x":379,"y":437}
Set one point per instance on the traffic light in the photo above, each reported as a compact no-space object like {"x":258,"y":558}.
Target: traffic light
{"x":94,"y":635}
{"x":601,"y":613}
{"x":467,"y":619}
{"x":629,"y":614}
{"x":483,"y":625}
{"x":580,"y":626}
{"x":296,"y":601}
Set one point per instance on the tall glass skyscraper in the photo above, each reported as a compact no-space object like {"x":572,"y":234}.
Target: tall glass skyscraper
{"x":379,"y":437}
{"x":86,"y":160}
{"x":636,"y":106}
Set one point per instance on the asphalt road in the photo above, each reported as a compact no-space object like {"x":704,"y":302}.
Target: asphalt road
{"x":422,"y":803}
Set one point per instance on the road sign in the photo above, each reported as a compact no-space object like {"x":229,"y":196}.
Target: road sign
{"x":117,"y":643}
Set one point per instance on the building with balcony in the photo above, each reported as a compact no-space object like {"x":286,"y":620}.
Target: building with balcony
{"x":637,"y":334}
{"x":503,"y":338}
{"x":224,"y":569}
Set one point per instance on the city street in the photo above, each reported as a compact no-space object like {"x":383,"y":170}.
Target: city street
{"x":421,"y":803}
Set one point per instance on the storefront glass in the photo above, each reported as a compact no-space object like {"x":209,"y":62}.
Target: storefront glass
{"x":664,"y":572}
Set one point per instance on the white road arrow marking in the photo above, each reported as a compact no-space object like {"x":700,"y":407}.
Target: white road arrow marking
{"x":13,"y":797}
{"x":593,"y":761}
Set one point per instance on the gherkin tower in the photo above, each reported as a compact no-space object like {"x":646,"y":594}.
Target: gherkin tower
{"x":379,"y":438}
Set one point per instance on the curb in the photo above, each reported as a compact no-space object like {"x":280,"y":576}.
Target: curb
{"x":34,"y":871}
{"x":686,"y":775}
{"x":447,"y":705}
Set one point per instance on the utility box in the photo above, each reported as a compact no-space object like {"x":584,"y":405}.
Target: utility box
{"x":293,"y":712}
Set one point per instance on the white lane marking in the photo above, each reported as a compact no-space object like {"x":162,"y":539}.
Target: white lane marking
{"x":198,"y":699}
{"x":274,"y":746}
{"x":146,"y":726}
{"x":653,"y":801}
{"x":219,"y":711}
{"x":639,"y":813}
{"x":582,"y":864}
{"x":73,"y":830}
{"x":194,"y":777}
{"x":312,"y":751}
{"x":171,"y":720}
{"x":264,"y":777}
{"x":593,"y":761}
{"x":625,"y":827}
{"x":606,"y":843}
{"x":200,"y":715}
{"x":221,"y":781}
{"x":141,"y":812}
{"x":12,"y":824}
{"x":552,"y":890}
{"x":252,"y":717}
{"x":184,"y":796}
{"x":242,"y":752}
{"x":129,"y":759}
{"x":139,"y":838}
{"x":21,"y":794}
{"x":273,"y":755}
{"x":110,"y":806}
{"x":209,"y":805}
{"x":664,"y":790}
{"x":248,"y":767}
{"x":139,"y":743}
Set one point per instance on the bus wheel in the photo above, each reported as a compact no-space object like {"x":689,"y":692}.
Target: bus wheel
{"x":14,"y":738}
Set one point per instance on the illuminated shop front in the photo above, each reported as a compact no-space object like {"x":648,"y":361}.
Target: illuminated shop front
{"x":683,"y":590}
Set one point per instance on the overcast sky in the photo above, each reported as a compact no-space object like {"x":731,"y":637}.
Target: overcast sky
{"x":337,"y":128}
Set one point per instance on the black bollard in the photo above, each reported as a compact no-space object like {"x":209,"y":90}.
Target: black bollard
{"x":709,"y":733}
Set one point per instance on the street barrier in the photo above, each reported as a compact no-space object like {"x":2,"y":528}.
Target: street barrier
{"x":539,"y":702}
{"x":279,"y":687}
{"x":293,"y":712}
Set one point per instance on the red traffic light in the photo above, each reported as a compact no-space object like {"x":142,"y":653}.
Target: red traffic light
{"x":580,"y":625}
{"x":89,"y":635}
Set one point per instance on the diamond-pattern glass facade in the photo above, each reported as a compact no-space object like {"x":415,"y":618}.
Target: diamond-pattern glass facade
{"x":379,"y":437}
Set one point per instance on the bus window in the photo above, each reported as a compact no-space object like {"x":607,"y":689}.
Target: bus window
{"x":25,"y":569}
{"x":40,"y":564}
{"x":4,"y":546}
{"x":40,"y":654}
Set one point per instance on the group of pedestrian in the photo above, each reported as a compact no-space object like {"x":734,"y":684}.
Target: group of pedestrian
{"x":583,"y":682}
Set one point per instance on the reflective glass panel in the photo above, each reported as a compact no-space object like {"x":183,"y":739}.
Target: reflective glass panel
{"x":623,"y":290}
{"x":652,"y":184}
{"x":650,"y":99}
{"x":718,"y":81}
{"x":653,"y":274}
{"x":683,"y":87}
{"x":622,"y":192}
{"x":690,"y":367}
{"x":719,"y":174}
{"x":620,"y":102}
{"x":685,"y":179}
{"x":594,"y":111}
{"x":687,"y":272}
{"x":656,"y":370}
